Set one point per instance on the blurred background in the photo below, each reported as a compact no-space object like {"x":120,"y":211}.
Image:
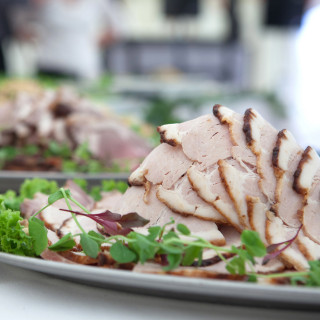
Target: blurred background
{"x":163,"y":61}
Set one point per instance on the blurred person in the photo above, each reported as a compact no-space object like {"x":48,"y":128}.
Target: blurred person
{"x":6,"y":29}
{"x":71,"y":34}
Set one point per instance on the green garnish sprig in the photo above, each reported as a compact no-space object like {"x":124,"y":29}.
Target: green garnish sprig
{"x":173,"y":245}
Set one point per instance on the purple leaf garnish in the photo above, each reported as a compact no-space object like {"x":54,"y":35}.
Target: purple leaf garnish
{"x":115,"y":223}
{"x":272,"y":249}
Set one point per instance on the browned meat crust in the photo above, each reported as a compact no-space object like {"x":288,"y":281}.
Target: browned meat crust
{"x":216,"y":112}
{"x":248,"y":117}
{"x":275,"y":153}
{"x":163,"y":137}
{"x":304,"y":159}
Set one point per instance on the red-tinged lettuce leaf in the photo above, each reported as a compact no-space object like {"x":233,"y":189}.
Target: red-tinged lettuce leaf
{"x":115,"y":223}
{"x":272,"y":249}
{"x":132,"y":220}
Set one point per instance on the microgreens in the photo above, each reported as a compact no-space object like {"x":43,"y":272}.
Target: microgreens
{"x":171,"y":244}
{"x":273,"y":250}
{"x":115,"y":223}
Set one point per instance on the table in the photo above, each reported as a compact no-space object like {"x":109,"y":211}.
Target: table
{"x":31,"y":295}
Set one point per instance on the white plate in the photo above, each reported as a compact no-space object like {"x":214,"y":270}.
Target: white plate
{"x":205,"y":290}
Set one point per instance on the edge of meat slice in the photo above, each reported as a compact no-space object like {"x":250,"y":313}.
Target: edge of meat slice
{"x":310,"y":213}
{"x":261,"y":138}
{"x":306,"y":170}
{"x":307,"y":183}
{"x":239,"y":184}
{"x":159,"y":214}
{"x":184,"y":200}
{"x":257,"y":214}
{"x":286,"y":157}
{"x":165,"y":164}
{"x":240,"y":177}
{"x":235,"y":122}
{"x":210,"y":188}
{"x":309,"y":248}
{"x":276,"y":232}
{"x":203,"y":139}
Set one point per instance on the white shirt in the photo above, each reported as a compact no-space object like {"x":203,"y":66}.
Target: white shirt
{"x":69,"y":35}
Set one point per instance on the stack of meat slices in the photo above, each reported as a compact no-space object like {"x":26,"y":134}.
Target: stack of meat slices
{"x":223,"y":173}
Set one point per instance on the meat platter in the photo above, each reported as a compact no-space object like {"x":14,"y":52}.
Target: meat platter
{"x":223,"y":197}
{"x":173,"y":287}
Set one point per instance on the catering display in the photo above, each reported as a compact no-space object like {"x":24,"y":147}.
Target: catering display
{"x":224,"y":196}
{"x":59,"y":130}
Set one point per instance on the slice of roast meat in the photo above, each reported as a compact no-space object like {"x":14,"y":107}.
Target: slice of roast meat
{"x":184,"y":200}
{"x":310,"y":213}
{"x":203,"y":139}
{"x":69,"y":225}
{"x":307,"y":168}
{"x":309,"y":248}
{"x":158,"y":213}
{"x":307,"y":183}
{"x":96,"y":131}
{"x":211,"y":189}
{"x":277,"y":232}
{"x":289,"y":204}
{"x":79,"y":194}
{"x":257,"y":215}
{"x":286,"y":157}
{"x":240,"y":183}
{"x":31,"y":206}
{"x":165,"y":165}
{"x":108,"y":200}
{"x":240,"y":150}
{"x":261,"y":138}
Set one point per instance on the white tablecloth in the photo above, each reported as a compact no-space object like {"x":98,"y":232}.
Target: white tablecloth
{"x":28,"y":295}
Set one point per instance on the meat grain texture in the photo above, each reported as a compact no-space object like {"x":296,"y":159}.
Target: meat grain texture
{"x":220,"y":174}
{"x":228,"y":169}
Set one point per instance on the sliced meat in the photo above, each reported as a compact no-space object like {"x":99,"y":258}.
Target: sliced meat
{"x":159,"y":214}
{"x":203,"y":139}
{"x":54,"y":256}
{"x":184,"y":200}
{"x":235,"y":122}
{"x":219,"y":273}
{"x":307,"y":183}
{"x":277,"y":232}
{"x":165,"y":165}
{"x":121,"y":141}
{"x":79,"y":194}
{"x":108,"y":200}
{"x":70,"y":226}
{"x":310,"y":213}
{"x":31,"y":206}
{"x":211,"y":189}
{"x":257,"y":214}
{"x":239,"y":183}
{"x":309,"y":248}
{"x":307,"y":168}
{"x":286,"y":156}
{"x":53,"y":217}
{"x":261,"y":138}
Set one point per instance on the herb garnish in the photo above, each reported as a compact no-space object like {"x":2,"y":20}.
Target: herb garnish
{"x":173,"y":245}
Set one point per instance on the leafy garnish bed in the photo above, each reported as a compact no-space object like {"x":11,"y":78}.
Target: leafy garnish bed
{"x":172,"y":245}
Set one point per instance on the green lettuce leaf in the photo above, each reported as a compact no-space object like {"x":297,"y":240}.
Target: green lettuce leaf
{"x":12,"y":237}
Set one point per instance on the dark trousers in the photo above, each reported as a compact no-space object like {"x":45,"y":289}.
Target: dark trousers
{"x":2,"y":61}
